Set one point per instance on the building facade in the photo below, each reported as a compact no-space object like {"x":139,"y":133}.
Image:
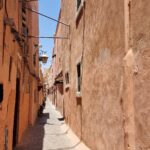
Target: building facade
{"x":19,"y":70}
{"x":105,"y":72}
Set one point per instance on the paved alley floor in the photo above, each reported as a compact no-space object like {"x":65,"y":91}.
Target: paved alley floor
{"x":49,"y":133}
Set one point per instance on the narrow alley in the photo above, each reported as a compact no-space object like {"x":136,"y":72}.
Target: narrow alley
{"x":50,"y":133}
{"x":74,"y":75}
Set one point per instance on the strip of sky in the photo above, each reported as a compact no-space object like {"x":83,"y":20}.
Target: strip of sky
{"x":48,"y":27}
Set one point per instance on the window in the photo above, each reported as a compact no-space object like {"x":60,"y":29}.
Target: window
{"x":78,"y":4}
{"x":79,"y":77}
{"x":79,"y":9}
{"x":67,"y":78}
{"x":1,"y":93}
{"x":10,"y":68}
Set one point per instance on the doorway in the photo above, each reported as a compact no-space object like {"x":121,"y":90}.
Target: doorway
{"x":16,"y":114}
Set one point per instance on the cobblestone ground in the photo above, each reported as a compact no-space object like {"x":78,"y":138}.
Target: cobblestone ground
{"x":49,"y":133}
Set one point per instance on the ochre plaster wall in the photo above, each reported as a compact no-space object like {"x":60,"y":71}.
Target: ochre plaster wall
{"x":9,"y":47}
{"x":111,"y":40}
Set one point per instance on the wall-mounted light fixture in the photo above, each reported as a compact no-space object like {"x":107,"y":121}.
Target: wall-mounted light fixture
{"x":43,"y":57}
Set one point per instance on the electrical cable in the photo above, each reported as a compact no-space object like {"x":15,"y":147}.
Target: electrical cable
{"x":48,"y":37}
{"x":46,"y":16}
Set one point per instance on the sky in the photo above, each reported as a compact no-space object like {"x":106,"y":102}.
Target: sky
{"x":47,"y":27}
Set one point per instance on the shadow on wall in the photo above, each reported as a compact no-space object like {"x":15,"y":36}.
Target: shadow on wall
{"x":34,"y":136}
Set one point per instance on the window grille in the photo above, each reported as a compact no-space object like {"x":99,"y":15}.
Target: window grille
{"x":24,"y":27}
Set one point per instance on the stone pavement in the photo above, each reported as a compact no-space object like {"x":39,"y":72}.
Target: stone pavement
{"x":49,"y":133}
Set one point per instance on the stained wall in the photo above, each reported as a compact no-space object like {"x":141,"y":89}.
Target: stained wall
{"x":14,"y":64}
{"x":110,"y":39}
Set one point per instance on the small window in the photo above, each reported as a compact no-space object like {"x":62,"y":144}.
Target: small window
{"x":67,"y":78}
{"x":1,"y":93}
{"x":78,"y":4}
{"x":79,"y":77}
{"x":79,"y":10}
{"x":10,"y":68}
